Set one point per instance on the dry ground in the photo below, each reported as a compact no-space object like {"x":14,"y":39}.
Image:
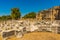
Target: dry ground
{"x":38,"y":36}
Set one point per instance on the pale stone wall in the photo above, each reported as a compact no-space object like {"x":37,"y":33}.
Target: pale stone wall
{"x":50,"y":15}
{"x":23,"y":26}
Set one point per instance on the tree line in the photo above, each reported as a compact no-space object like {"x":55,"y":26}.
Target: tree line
{"x":16,"y":14}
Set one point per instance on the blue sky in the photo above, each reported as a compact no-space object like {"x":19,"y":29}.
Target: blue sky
{"x":26,"y":6}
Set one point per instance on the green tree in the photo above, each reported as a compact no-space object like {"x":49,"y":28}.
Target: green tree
{"x":0,"y":18}
{"x":30,"y":15}
{"x":7,"y":17}
{"x":4,"y":17}
{"x":15,"y":14}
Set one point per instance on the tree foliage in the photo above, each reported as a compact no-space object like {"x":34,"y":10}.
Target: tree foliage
{"x":30,"y":15}
{"x":7,"y":17}
{"x":15,"y":14}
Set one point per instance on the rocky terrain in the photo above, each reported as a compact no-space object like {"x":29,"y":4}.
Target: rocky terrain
{"x":18,"y":28}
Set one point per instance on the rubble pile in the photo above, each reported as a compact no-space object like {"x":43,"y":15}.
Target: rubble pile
{"x":19,"y":27}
